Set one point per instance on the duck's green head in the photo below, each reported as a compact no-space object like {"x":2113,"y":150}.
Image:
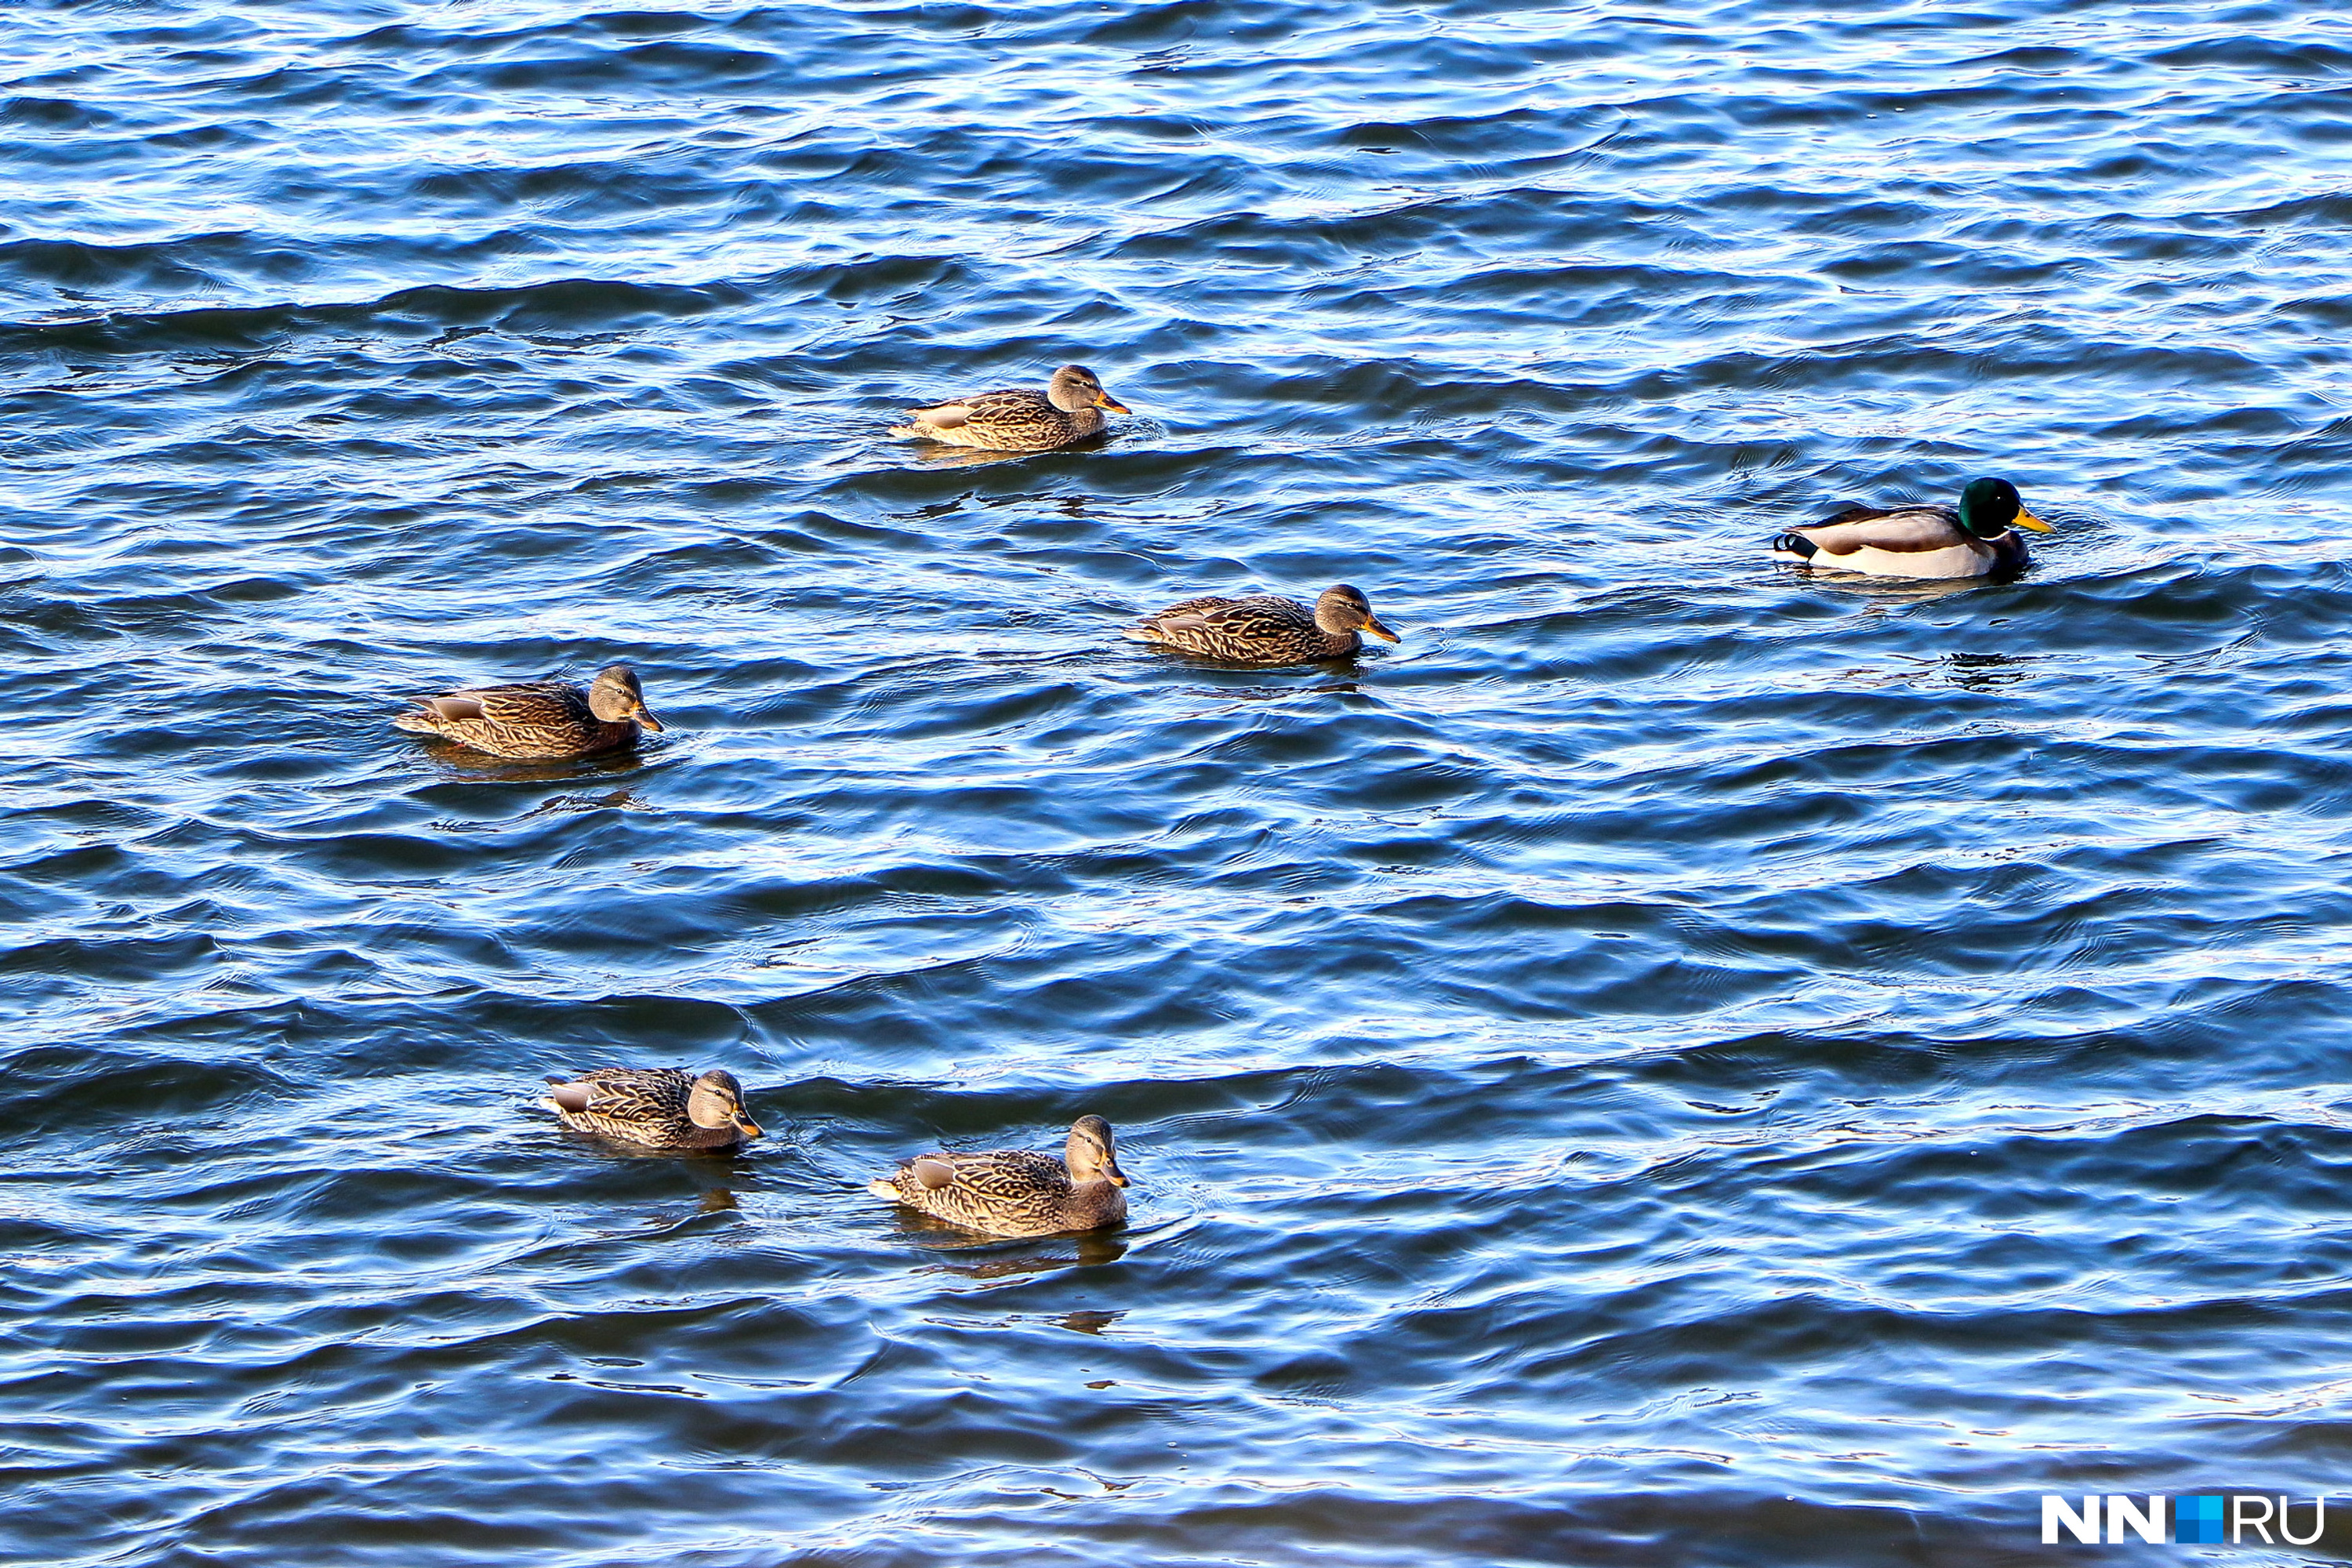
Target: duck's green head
{"x":1990,"y":507}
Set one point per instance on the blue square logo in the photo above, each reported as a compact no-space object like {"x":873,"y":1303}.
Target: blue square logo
{"x":2197,"y":1520}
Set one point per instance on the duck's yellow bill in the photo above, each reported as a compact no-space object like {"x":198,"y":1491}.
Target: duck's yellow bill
{"x":2027,"y":520}
{"x":645,"y":717}
{"x":1106,"y":400}
{"x":1373,"y":624}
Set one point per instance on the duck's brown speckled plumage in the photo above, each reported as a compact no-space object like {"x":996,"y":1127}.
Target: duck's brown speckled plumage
{"x":538,"y":718}
{"x":1018,"y":419}
{"x":660,"y":1108}
{"x":1265,"y":628}
{"x":1017,"y":1192}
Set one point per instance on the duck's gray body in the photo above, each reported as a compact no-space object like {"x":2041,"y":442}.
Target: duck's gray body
{"x":1902,"y":541}
{"x":1978,"y":538}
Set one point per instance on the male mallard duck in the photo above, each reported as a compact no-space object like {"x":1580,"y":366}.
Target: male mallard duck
{"x":537,"y":718}
{"x":1921,"y":541}
{"x":660,"y":1108}
{"x":1015,"y":1192}
{"x":1017,"y":419}
{"x":1266,"y":629}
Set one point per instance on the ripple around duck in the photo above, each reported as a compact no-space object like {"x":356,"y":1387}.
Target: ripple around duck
{"x":1680,"y":1060}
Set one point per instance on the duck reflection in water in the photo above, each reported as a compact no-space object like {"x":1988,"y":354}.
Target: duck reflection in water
{"x":715,"y":1202}
{"x":460,"y":766}
{"x":718,"y":1204}
{"x":1968,"y":671}
{"x":1889,"y":592}
{"x":980,"y":458}
{"x":1986,"y":671}
{"x":1015,"y":1260}
{"x":554,"y":806}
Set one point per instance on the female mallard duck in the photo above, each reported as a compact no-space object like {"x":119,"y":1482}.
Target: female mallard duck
{"x":1265,"y":629}
{"x":537,"y":718}
{"x":1013,"y":1192}
{"x":1017,"y":419}
{"x":1921,"y":541}
{"x":660,"y":1108}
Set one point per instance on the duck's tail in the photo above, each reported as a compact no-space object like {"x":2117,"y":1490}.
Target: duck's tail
{"x":1797,"y":545}
{"x":882,"y":1187}
{"x":420,"y":720}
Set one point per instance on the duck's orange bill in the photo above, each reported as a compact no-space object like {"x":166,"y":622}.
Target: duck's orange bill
{"x":1105,"y":400}
{"x":1374,"y":626}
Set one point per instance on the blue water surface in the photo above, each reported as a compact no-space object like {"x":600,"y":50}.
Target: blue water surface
{"x":1679,"y":1062}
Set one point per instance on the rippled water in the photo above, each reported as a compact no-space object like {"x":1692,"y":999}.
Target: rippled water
{"x":1677,"y":1062}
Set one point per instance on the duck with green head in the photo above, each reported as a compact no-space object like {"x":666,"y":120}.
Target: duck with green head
{"x":1979,"y":537}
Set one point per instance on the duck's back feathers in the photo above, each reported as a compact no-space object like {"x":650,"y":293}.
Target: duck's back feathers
{"x":624,"y":1094}
{"x":525,"y":702}
{"x":1195,"y":615}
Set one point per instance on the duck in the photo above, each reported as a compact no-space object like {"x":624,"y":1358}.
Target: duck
{"x":1017,"y":1192}
{"x":1017,"y":419}
{"x":1979,"y":539}
{"x":539,"y":719}
{"x":1266,"y":629}
{"x":658,"y":1108}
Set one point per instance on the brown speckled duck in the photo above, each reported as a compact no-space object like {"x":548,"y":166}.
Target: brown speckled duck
{"x":1266,"y":629}
{"x":1017,"y":419}
{"x":660,"y":1108}
{"x":1016,"y":1191}
{"x":539,"y":719}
